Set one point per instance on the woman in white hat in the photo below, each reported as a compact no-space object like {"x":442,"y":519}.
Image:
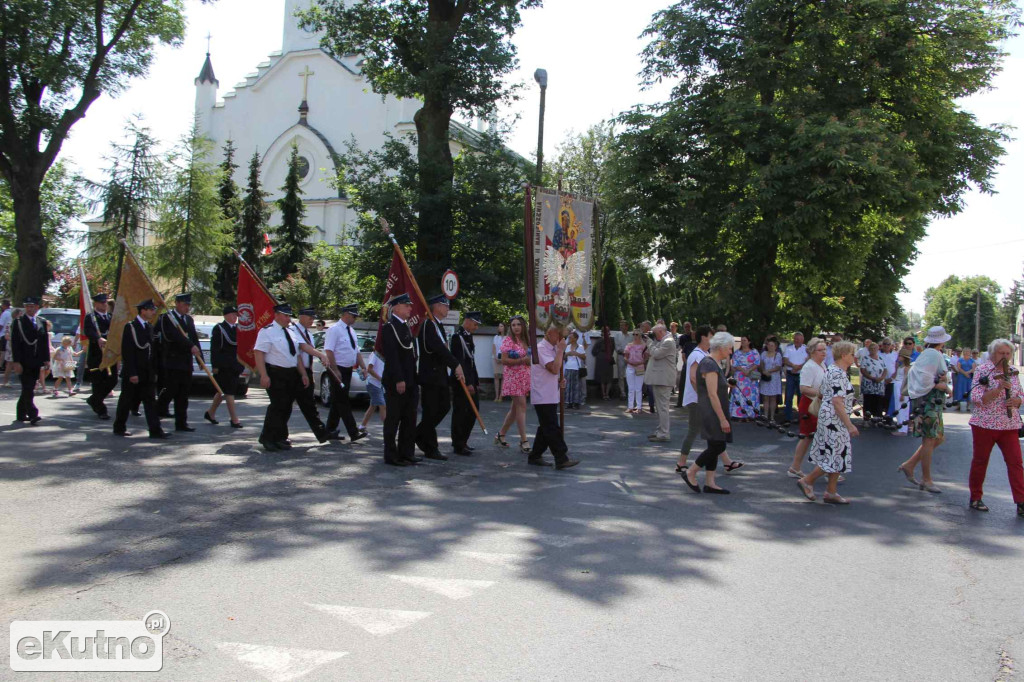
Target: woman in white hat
{"x":927,"y":386}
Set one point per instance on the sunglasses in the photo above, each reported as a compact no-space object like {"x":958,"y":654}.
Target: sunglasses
{"x":908,"y":343}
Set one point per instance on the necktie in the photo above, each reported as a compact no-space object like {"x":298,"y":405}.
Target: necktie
{"x":309,"y":358}
{"x":351,"y":339}
{"x":291,"y":344}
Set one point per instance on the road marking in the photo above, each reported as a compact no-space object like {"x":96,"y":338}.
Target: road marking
{"x":375,"y":621}
{"x":278,"y":663}
{"x":453,"y":588}
{"x":500,"y":558}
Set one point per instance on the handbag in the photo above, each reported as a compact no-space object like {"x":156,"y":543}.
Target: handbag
{"x":815,"y":406}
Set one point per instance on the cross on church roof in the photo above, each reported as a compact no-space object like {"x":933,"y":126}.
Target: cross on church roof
{"x":304,"y":75}
{"x":208,"y":36}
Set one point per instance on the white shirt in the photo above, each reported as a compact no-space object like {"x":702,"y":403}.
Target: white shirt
{"x":890,"y":359}
{"x":5,"y":321}
{"x":496,"y":342}
{"x":574,"y":362}
{"x":345,"y":347}
{"x":377,"y":362}
{"x":690,"y":393}
{"x":796,"y":356}
{"x":272,"y":341}
{"x":812,"y":375}
{"x":298,"y":330}
{"x":829,"y":357}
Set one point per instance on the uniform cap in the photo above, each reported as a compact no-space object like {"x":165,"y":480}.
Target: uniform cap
{"x":146,"y":305}
{"x":400,"y":298}
{"x":284,"y":309}
{"x":100,"y":298}
{"x":308,"y":311}
{"x":476,"y":316}
{"x":31,"y":300}
{"x":183,"y":298}
{"x":439,"y":298}
{"x":228,"y":309}
{"x":351,"y":309}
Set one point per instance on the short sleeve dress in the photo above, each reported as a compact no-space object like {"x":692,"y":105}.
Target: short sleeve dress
{"x":831,"y":448}
{"x":516,"y":380}
{"x":874,"y":366}
{"x":773,"y":385}
{"x":745,"y":402}
{"x":710,"y":428}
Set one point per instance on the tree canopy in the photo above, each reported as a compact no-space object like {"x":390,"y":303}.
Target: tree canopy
{"x":954,"y":305}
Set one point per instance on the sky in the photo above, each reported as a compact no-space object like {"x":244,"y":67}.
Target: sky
{"x":590,"y":49}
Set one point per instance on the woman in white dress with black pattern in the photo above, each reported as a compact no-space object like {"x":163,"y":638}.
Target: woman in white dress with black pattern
{"x":832,"y":450}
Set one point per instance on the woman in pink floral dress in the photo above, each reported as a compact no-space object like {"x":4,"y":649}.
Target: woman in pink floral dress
{"x":515,"y":357}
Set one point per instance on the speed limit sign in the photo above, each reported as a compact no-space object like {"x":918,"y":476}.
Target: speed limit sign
{"x":450,"y":284}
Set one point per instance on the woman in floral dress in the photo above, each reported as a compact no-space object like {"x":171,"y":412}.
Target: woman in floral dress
{"x":515,"y":357}
{"x":745,"y":401}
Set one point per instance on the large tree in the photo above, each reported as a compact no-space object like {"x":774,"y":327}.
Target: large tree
{"x":452,"y":54}
{"x":804,"y":146}
{"x":955,"y":304}
{"x":231,"y":208}
{"x":129,"y":194}
{"x":192,"y":233}
{"x":291,"y":238}
{"x":253,"y":220}
{"x":611,"y":304}
{"x":56,"y":58}
{"x":61,"y":195}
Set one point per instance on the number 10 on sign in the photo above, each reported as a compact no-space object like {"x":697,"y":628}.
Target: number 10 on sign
{"x":450,"y":284}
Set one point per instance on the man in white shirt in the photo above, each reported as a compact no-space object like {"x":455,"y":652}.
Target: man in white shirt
{"x":863,"y":351}
{"x":794,"y":358}
{"x":343,"y":354}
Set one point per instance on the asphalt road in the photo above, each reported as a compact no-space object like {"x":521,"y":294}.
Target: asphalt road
{"x":323,"y":563}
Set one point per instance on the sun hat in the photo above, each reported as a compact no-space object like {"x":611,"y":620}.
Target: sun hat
{"x":937,"y":334}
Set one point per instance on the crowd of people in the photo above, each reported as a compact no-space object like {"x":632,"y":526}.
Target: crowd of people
{"x":415,"y":382}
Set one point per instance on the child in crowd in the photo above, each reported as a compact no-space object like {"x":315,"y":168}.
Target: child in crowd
{"x":374,"y":371}
{"x":63,"y":364}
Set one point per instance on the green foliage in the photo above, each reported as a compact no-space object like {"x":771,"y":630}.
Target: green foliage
{"x":231,"y":209}
{"x":129,"y":196}
{"x":326,"y":281}
{"x":455,"y":57}
{"x":638,"y":298}
{"x":953,"y":304}
{"x":626,"y":298}
{"x":58,"y":57}
{"x":192,"y":233}
{"x":790,"y":176}
{"x":647,"y":281}
{"x":62,"y":202}
{"x":291,"y":237}
{"x":611,"y":312}
{"x":1008,"y":308}
{"x":487,"y":200}
{"x":253,"y":219}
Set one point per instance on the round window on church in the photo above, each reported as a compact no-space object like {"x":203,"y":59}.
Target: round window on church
{"x":303,"y":167}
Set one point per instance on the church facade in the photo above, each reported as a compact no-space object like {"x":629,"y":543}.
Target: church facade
{"x":305,"y":97}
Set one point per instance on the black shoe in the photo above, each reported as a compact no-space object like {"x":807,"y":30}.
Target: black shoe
{"x":462,"y":451}
{"x":334,"y":434}
{"x":413,"y":460}
{"x":359,"y":436}
{"x":207,"y":417}
{"x":34,"y":420}
{"x":269,"y":446}
{"x":567,"y":464}
{"x":103,"y":416}
{"x":163,"y":415}
{"x":362,"y":430}
{"x":236,"y":425}
{"x":538,"y":462}
{"x":136,"y":413}
{"x":398,"y":463}
{"x":436,"y":455}
{"x":122,"y":434}
{"x":715,"y":491}
{"x":1020,"y":509}
{"x":691,"y":486}
{"x":283,"y":445}
{"x":159,"y":435}
{"x":468,"y":448}
{"x":184,"y":428}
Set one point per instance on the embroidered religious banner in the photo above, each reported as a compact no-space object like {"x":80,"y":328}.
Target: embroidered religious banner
{"x":255,"y":311}
{"x":563,"y":239}
{"x":133,"y":288}
{"x":400,"y":281}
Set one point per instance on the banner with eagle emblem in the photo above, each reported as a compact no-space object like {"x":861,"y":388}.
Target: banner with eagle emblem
{"x":563,"y":240}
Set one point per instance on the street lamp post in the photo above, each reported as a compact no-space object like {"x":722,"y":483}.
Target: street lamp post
{"x":541,"y":76}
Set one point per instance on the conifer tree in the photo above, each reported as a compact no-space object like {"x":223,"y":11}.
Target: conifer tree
{"x":254,"y":217}
{"x":292,"y":245}
{"x":611,"y":305}
{"x":231,"y":208}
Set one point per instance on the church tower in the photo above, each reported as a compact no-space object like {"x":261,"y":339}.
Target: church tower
{"x":295,"y":38}
{"x":206,"y":95}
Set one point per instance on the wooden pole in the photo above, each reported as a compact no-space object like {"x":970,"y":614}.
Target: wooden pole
{"x":531,"y":283}
{"x":423,"y":300}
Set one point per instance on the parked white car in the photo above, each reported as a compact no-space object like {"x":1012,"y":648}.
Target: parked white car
{"x":321,"y":383}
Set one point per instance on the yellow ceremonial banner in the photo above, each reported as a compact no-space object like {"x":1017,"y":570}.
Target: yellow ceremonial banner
{"x":133,"y":288}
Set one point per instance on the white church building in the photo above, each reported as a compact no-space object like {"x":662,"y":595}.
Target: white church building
{"x":303,"y":96}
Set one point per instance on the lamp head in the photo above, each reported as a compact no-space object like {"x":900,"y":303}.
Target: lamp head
{"x":541,"y":76}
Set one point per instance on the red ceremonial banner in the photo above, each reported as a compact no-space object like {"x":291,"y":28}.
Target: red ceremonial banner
{"x":400,"y":281}
{"x":255,"y":311}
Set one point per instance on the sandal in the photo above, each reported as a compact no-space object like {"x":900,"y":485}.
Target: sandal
{"x":908,"y":474}
{"x":524,"y":446}
{"x":499,"y":439}
{"x":835,"y":499}
{"x":794,"y":473}
{"x":978,"y":505}
{"x":733,"y":466}
{"x":807,"y":490}
{"x":680,"y":468}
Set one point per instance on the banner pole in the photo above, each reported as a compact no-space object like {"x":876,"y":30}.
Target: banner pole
{"x":419,"y":294}
{"x":531,"y":283}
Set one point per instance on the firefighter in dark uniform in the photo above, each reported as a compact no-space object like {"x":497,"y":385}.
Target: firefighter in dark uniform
{"x":401,"y":394}
{"x":465,"y":354}
{"x":30,"y":352}
{"x":137,"y":372}
{"x":283,"y":375}
{"x":226,"y":367}
{"x":179,"y":343}
{"x":97,"y":324}
{"x":435,"y":361}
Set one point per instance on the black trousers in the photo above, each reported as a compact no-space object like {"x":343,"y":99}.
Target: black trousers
{"x":875,"y":405}
{"x":26,"y":407}
{"x":549,"y":434}
{"x":102,"y":384}
{"x":709,"y":458}
{"x":285,"y":387}
{"x":131,"y":396}
{"x":400,"y":424}
{"x":177,"y":384}
{"x":437,"y":401}
{"x":462,"y":416}
{"x":307,"y":406}
{"x":341,"y":405}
